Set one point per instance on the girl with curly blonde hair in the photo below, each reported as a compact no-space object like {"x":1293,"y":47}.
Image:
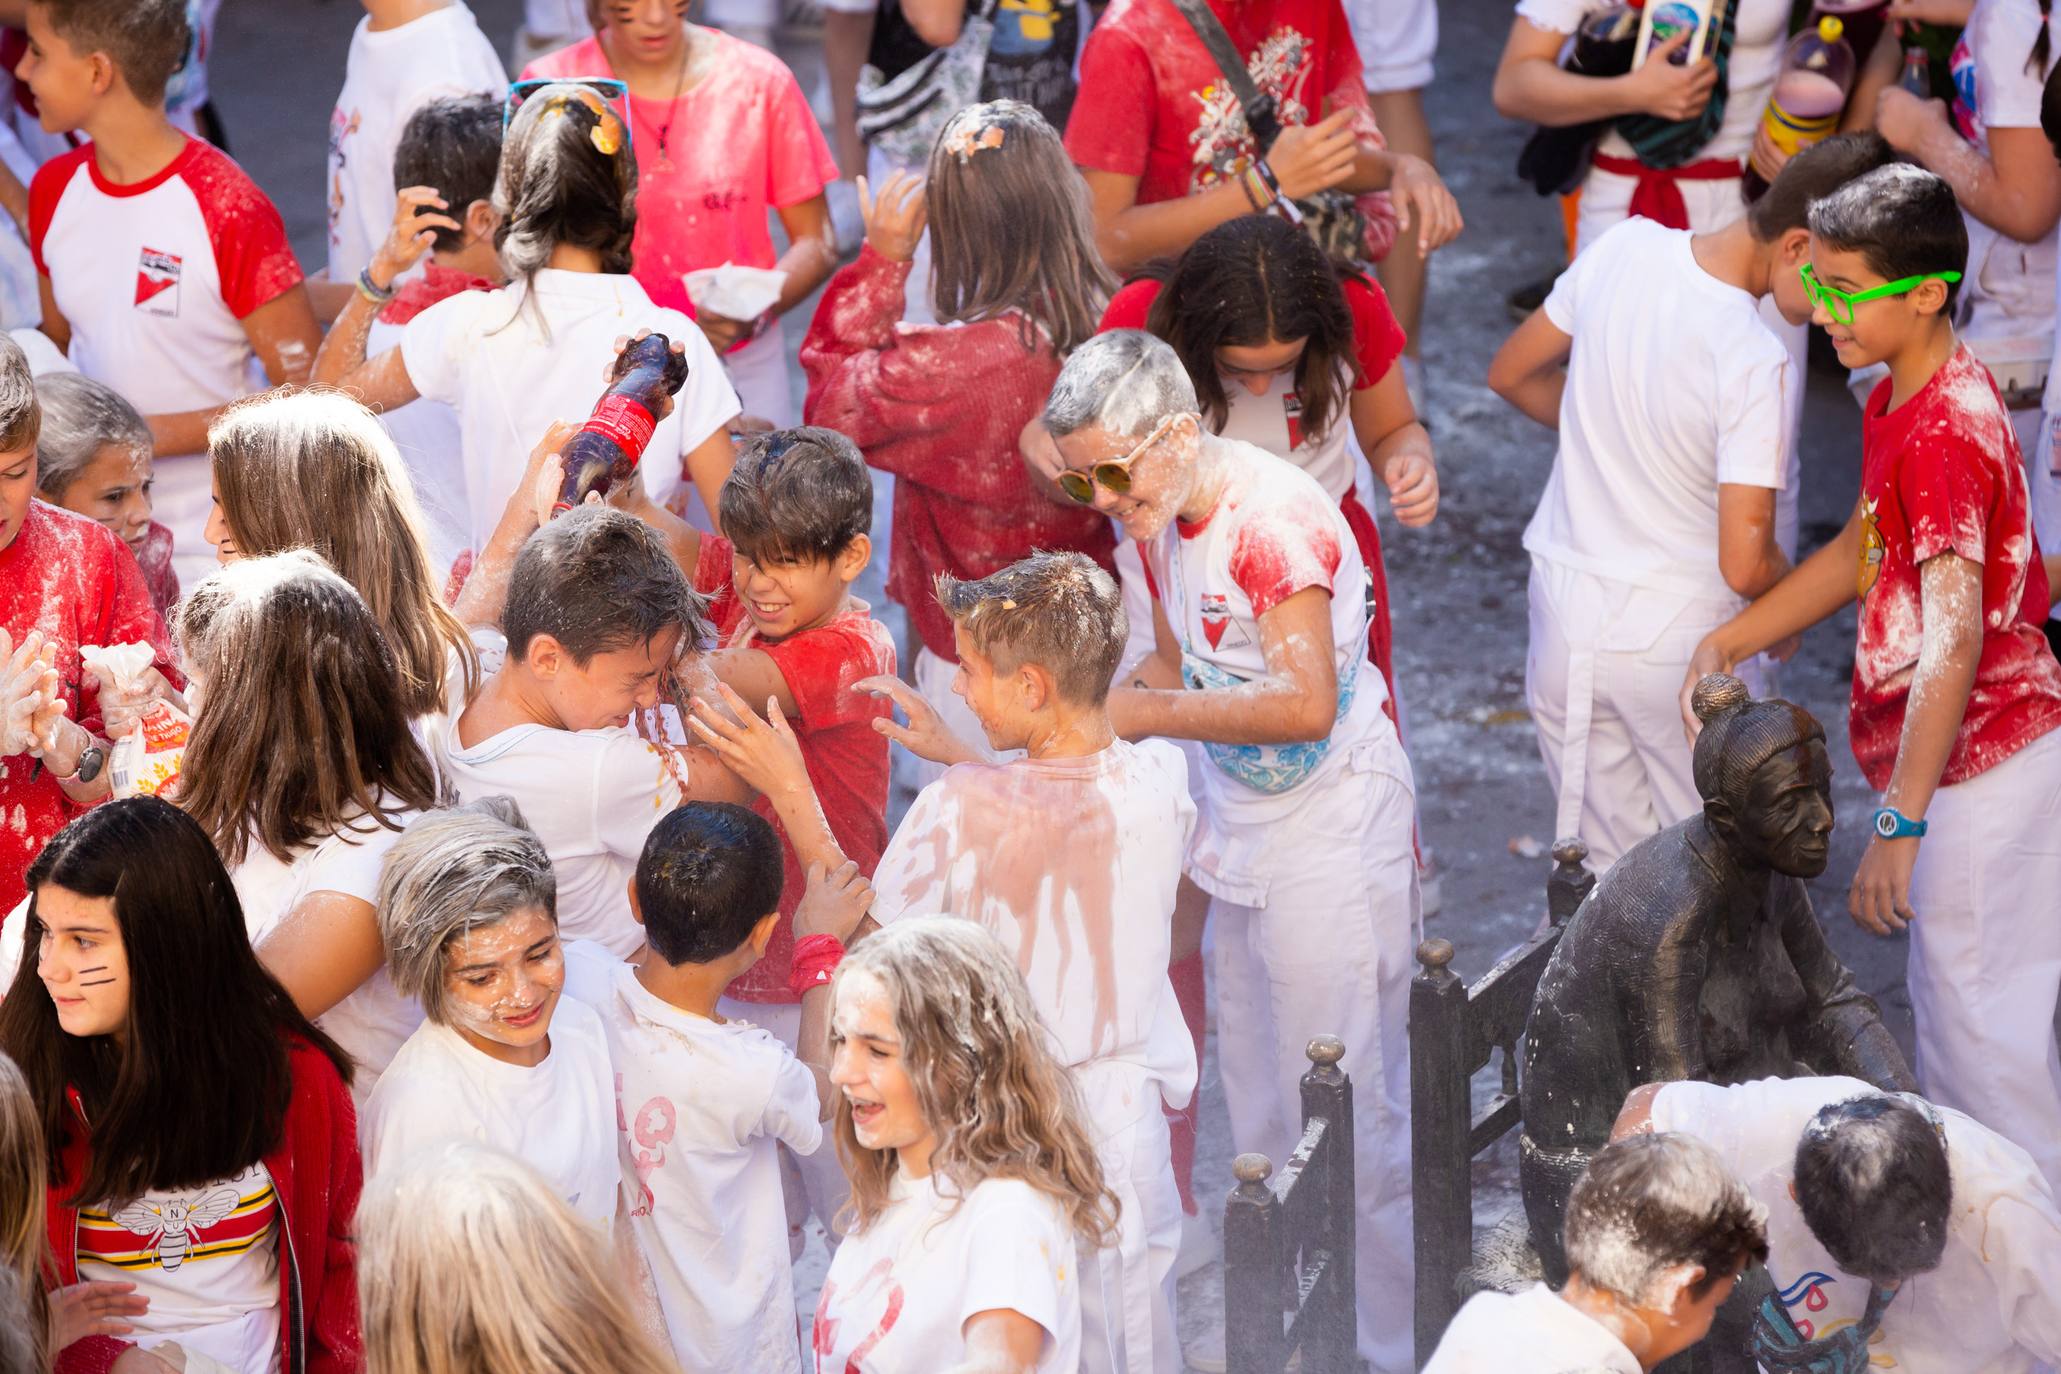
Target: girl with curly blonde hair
{"x":973,"y":1179}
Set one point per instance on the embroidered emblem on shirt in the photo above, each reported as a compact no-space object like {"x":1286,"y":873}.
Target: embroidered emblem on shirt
{"x":1872,"y":548}
{"x":1216,"y":614}
{"x":157,"y":282}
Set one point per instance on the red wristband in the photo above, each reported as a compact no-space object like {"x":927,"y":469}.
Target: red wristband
{"x":815,"y":958}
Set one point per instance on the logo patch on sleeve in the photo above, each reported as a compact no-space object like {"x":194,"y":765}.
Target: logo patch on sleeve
{"x":157,"y":282}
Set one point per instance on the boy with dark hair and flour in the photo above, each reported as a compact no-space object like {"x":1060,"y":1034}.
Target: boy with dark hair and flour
{"x":1956,"y":694}
{"x":1070,"y":855}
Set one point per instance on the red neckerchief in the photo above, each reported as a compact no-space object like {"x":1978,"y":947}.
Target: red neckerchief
{"x":420,"y":293}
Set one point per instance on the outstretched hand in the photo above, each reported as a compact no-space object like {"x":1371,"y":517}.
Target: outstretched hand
{"x":765,"y":753}
{"x":926,"y":735}
{"x":895,"y":218}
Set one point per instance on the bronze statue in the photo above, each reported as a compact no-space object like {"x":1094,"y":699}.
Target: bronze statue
{"x":1698,"y":956}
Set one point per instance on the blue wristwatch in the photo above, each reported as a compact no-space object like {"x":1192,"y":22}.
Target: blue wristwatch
{"x":1892,"y":824}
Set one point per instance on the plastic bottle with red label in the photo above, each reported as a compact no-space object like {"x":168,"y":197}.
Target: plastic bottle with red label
{"x":607,"y":449}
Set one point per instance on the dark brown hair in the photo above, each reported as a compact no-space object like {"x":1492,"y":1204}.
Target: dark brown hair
{"x":313,"y":469}
{"x":452,"y":143}
{"x":598,"y":580}
{"x":146,"y":39}
{"x":197,"y":1089}
{"x":1650,"y":1202}
{"x":1060,"y":611}
{"x":1813,"y":174}
{"x":556,"y":185}
{"x":1009,"y":225}
{"x":1252,"y":281}
{"x":302,"y":726}
{"x":802,"y":494}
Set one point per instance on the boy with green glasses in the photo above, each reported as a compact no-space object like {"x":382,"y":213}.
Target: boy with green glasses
{"x":1956,"y":694}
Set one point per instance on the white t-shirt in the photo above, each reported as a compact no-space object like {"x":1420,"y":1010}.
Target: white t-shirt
{"x":704,"y":1107}
{"x":2006,"y":306}
{"x":432,"y":445}
{"x":389,"y":75}
{"x":591,"y":796}
{"x":1757,"y":45}
{"x":1991,"y":1307}
{"x":509,"y":376}
{"x":1073,"y":865}
{"x":1274,"y":532}
{"x":1532,"y":1332}
{"x":372,"y":1023}
{"x":1633,"y":494}
{"x":558,"y":1117}
{"x":155,"y":280}
{"x":899,"y":1293}
{"x":207,"y":1258}
{"x":1273,"y":422}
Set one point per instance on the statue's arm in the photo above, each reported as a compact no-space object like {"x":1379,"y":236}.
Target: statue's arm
{"x":1846,"y":1034}
{"x":1666,"y":1002}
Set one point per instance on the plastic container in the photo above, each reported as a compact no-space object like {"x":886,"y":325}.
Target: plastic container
{"x":1810,"y":92}
{"x":607,"y":449}
{"x":1862,"y":21}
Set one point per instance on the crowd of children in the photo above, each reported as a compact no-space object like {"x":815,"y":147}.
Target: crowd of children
{"x":377,"y":818}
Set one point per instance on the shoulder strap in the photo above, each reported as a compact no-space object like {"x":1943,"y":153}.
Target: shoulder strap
{"x":1260,"y":115}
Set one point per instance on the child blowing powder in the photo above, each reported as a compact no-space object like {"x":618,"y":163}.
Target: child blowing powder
{"x":1069,"y":855}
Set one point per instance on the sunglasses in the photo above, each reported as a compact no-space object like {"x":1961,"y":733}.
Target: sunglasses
{"x":1114,"y":475}
{"x":611,"y":99}
{"x":1839,"y":304}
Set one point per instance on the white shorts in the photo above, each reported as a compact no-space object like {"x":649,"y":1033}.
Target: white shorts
{"x":1396,"y":39}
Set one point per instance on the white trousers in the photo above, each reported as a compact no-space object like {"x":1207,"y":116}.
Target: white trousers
{"x":1127,"y":1302}
{"x":1603,"y":679}
{"x":759,"y":372}
{"x":1985,"y":963}
{"x":1329,"y":951}
{"x":810,"y":1183}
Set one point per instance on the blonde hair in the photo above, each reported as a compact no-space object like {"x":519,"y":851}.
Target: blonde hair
{"x":314,"y":469}
{"x":1010,"y":226}
{"x":468,"y":1263}
{"x":301,"y":727}
{"x":997,"y":1101}
{"x":23,"y":1182}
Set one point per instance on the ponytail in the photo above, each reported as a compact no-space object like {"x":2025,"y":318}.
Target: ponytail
{"x":2036,"y":62}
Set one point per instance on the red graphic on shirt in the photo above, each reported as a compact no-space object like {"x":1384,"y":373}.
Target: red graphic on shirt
{"x":157,"y":282}
{"x":1216,"y":614}
{"x":823,"y":1339}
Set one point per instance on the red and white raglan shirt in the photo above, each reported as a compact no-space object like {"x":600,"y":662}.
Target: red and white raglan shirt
{"x":1942,"y":474}
{"x":155,"y":279}
{"x":1274,"y":532}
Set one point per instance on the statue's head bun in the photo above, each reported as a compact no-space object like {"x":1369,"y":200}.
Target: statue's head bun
{"x":1740,"y":734}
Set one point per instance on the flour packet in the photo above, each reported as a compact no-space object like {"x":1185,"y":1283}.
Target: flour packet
{"x":144,"y":762}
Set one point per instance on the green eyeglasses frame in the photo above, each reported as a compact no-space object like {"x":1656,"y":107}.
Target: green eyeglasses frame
{"x":1839,"y":304}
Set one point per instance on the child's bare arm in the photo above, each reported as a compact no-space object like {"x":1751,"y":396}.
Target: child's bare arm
{"x":382,"y":382}
{"x":753,"y":675}
{"x":55,"y":326}
{"x":836,"y":904}
{"x":1951,"y":590}
{"x":284,"y":335}
{"x":1817,"y":587}
{"x":1530,"y":369}
{"x":765,"y":755}
{"x":1749,"y":558}
{"x":1296,"y":701}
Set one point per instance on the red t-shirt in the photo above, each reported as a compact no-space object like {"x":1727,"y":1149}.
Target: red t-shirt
{"x":71,"y":578}
{"x":846,"y":757}
{"x":1154,"y":105}
{"x":1942,"y":474}
{"x":740,"y":142}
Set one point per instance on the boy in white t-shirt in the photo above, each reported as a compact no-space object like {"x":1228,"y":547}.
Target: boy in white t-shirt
{"x":1657,"y":1234}
{"x":467,"y":916}
{"x":165,"y":270}
{"x":1672,"y":499}
{"x":1305,"y":840}
{"x":1070,"y":855}
{"x":1912,"y":1234}
{"x":703,"y":1103}
{"x":403,"y":54}
{"x":599,"y":618}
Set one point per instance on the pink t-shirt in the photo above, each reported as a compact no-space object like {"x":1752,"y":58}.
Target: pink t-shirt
{"x":739,"y":144}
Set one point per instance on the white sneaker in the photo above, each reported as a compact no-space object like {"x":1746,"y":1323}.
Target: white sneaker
{"x":1198,"y":1249}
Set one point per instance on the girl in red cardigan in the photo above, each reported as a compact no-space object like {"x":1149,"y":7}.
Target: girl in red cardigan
{"x":202,"y":1141}
{"x":1016,"y":283}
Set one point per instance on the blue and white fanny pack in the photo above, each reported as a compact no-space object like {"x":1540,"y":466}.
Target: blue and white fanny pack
{"x":1266,"y":768}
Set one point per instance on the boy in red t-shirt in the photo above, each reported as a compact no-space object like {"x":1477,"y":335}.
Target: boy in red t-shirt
{"x":65,"y":581}
{"x":797,"y":509}
{"x":164,"y":267}
{"x":1956,"y":695}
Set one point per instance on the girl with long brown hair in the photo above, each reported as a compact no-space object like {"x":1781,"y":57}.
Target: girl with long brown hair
{"x":304,"y":770}
{"x":314,"y":470}
{"x":974,"y":1184}
{"x":1017,"y":284}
